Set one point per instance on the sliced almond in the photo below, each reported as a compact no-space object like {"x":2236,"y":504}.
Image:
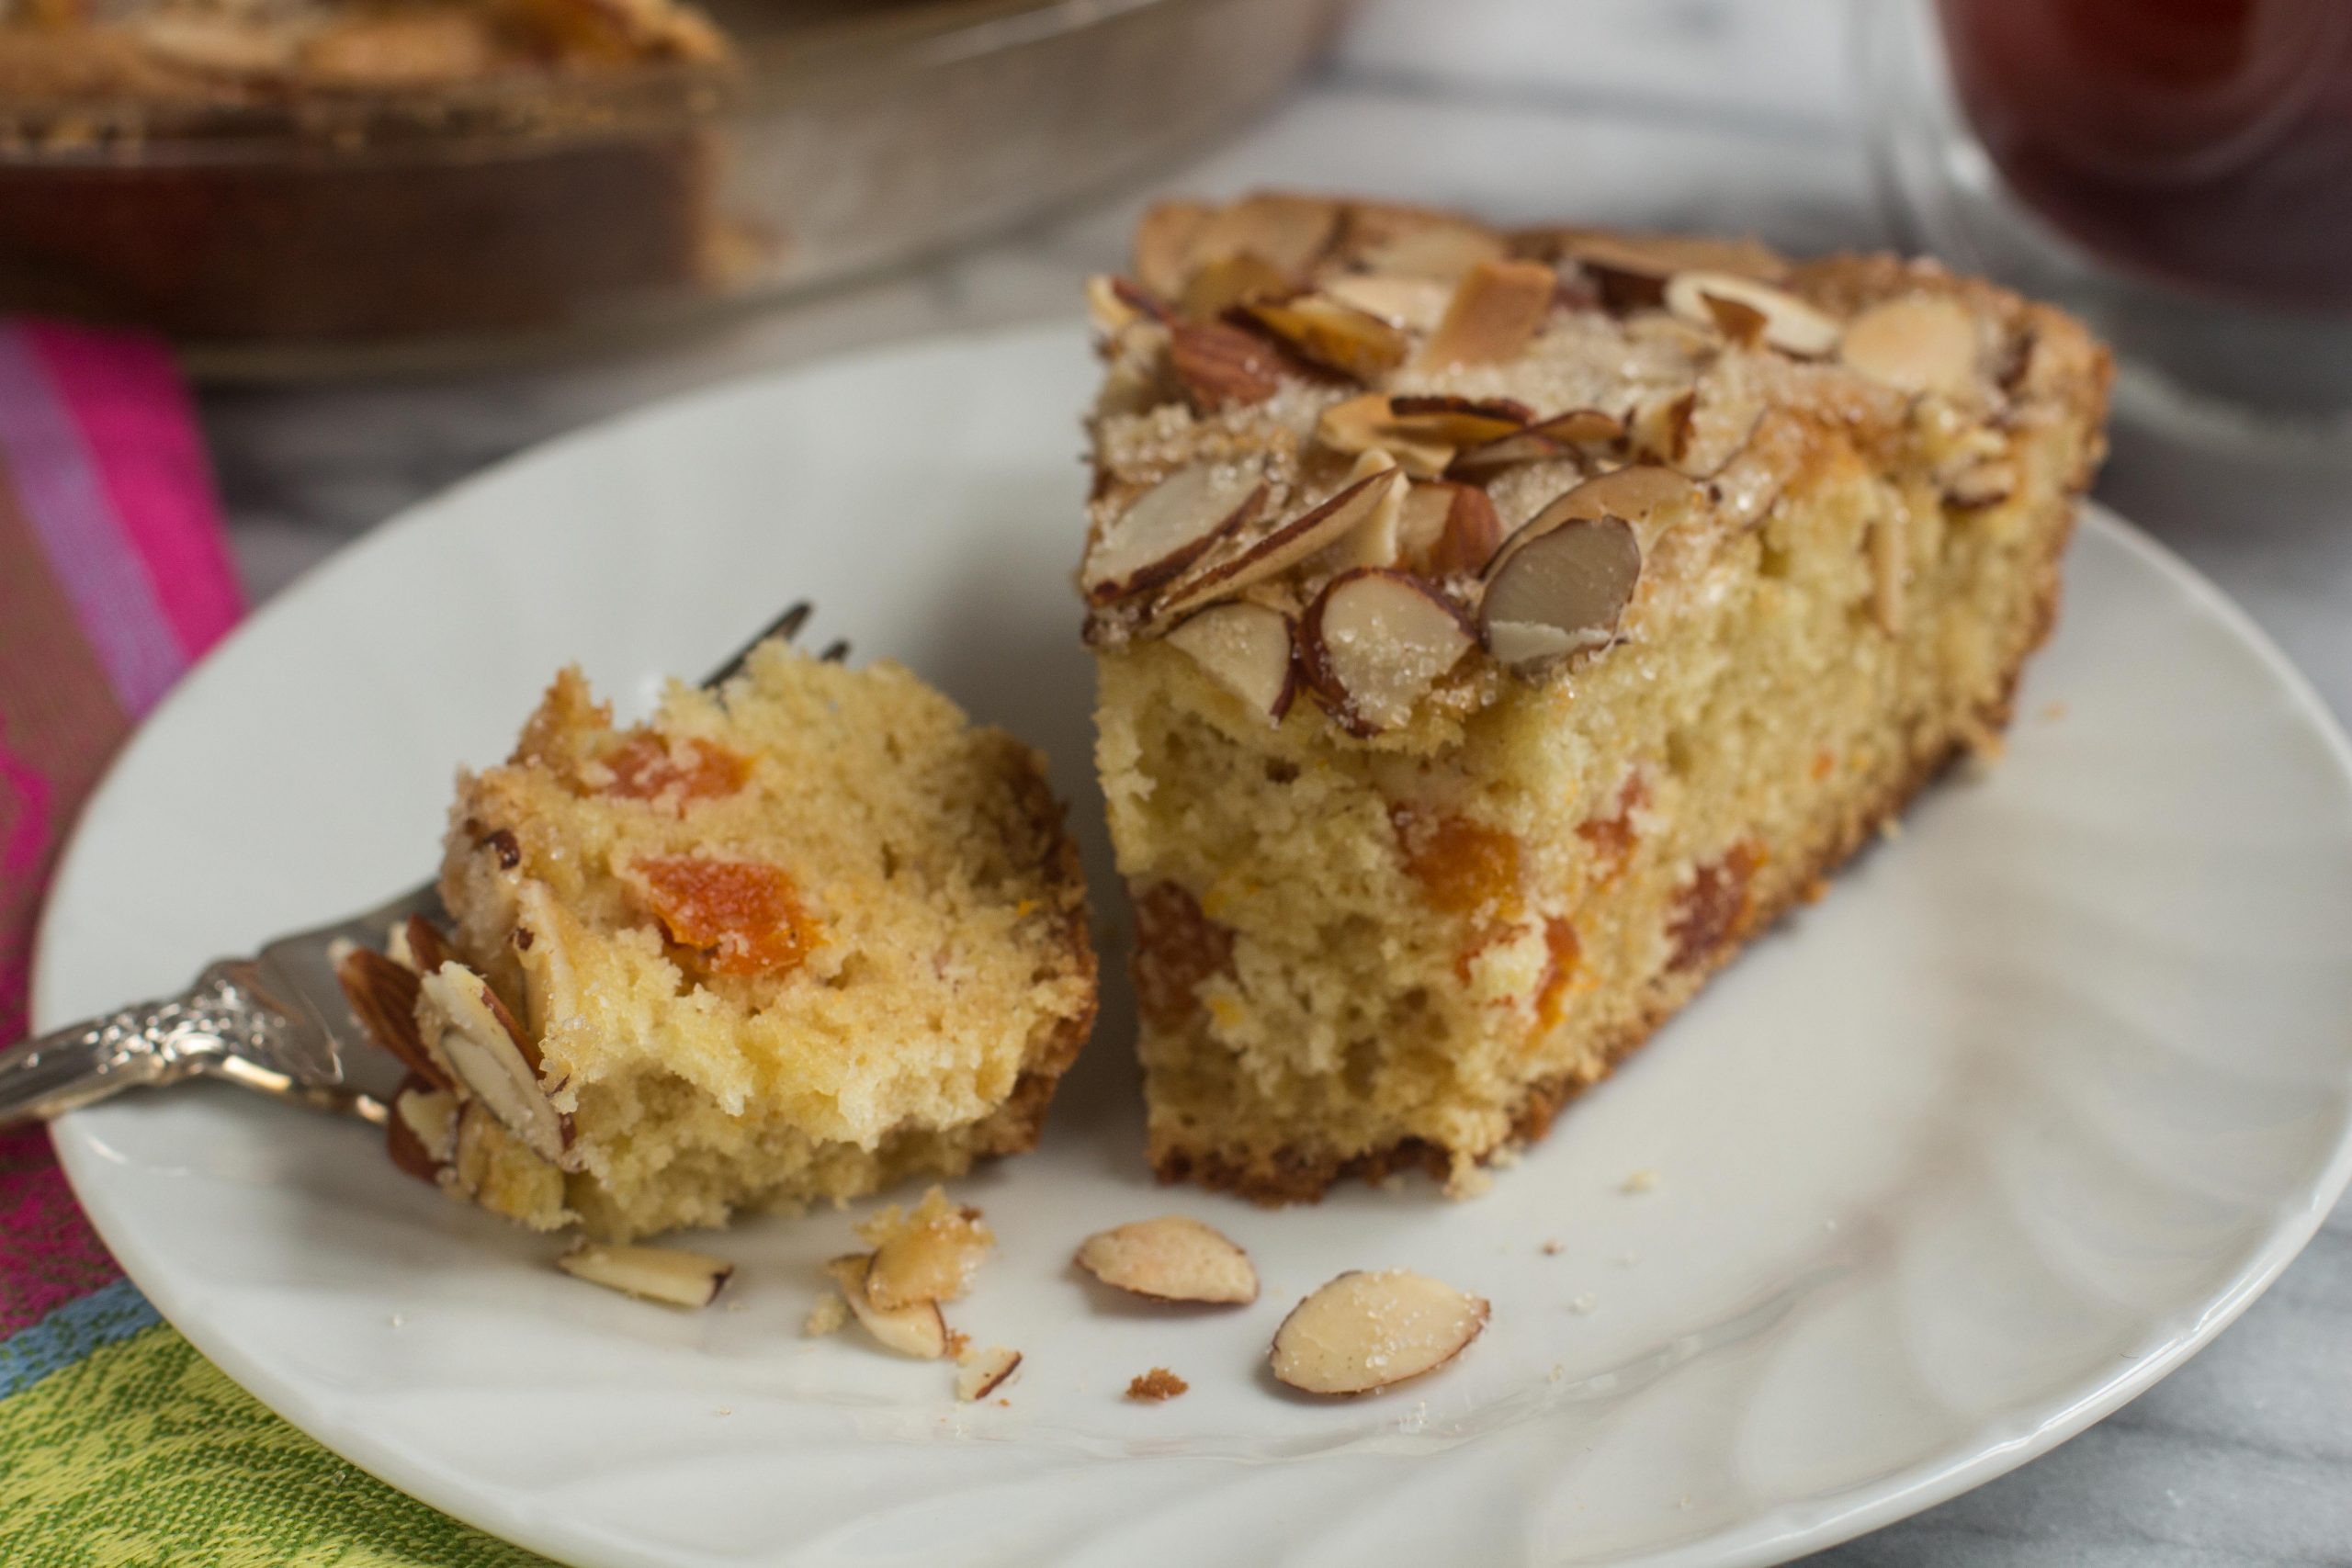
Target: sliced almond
{"x":1334,"y":335}
{"x":428,"y":949}
{"x":1496,"y":312}
{"x":1639,"y":493}
{"x":1445,"y":529}
{"x":1365,"y":1332}
{"x":1375,"y":642}
{"x":224,"y":45}
{"x":1164,"y":248}
{"x":1172,"y":1258}
{"x":1110,"y":309}
{"x":1921,"y":342}
{"x":1752,"y":479}
{"x":1415,"y":304}
{"x":914,"y":1330}
{"x":1787,"y":323}
{"x":495,"y":1061}
{"x":1372,"y":542}
{"x":1577,"y":433}
{"x":1630,"y":270}
{"x":421,"y":1135}
{"x":666,"y":1274}
{"x":1290,"y":231}
{"x":1228,"y":281}
{"x":1561,"y":593}
{"x":929,"y":1254}
{"x":1221,"y":367}
{"x":1169,"y":526}
{"x":1658,"y":430}
{"x":1455,"y":421}
{"x":1440,"y":248}
{"x":383,"y":998}
{"x":1316,"y":528}
{"x":1889,"y":573}
{"x":984,"y":1371}
{"x":1361,"y":424}
{"x":1246,"y":649}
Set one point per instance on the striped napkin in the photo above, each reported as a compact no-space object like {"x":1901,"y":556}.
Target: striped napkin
{"x":119,"y":1446}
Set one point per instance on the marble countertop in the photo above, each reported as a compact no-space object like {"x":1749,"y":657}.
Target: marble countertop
{"x":1724,"y":114}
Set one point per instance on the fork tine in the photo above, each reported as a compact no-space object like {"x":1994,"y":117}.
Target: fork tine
{"x":836,"y":651}
{"x":786,"y":625}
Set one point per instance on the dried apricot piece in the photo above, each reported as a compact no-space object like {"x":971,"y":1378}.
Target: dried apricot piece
{"x":1562,"y":952}
{"x":1463,"y":868}
{"x":1715,"y":909}
{"x":745,"y":916}
{"x":646,"y":766}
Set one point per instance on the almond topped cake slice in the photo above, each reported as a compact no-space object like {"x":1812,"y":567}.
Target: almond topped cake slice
{"x":1496,"y":630}
{"x":790,"y":941}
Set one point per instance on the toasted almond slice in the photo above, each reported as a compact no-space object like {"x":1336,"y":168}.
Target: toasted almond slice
{"x":224,"y":45}
{"x":495,"y":1061}
{"x":1496,"y":312}
{"x":1221,"y":367}
{"x":1455,"y":421}
{"x":1110,"y":312}
{"x":383,"y":998}
{"x":1163,"y":249}
{"x":1415,"y":304}
{"x":929,"y":1254}
{"x":984,"y":1371}
{"x":1440,"y":249}
{"x":1445,"y":529}
{"x":1921,"y":342}
{"x":1334,"y":335}
{"x":1560,"y":593}
{"x":1375,"y":642}
{"x":1172,"y":1258}
{"x":1752,"y":479}
{"x":1787,"y":323}
{"x":1246,"y":649}
{"x":1361,"y":424}
{"x":1167,"y":527}
{"x":1228,"y":281}
{"x":1639,"y":493}
{"x":1365,"y":1332}
{"x":428,"y":949}
{"x":1372,"y":542}
{"x":1316,"y":528}
{"x":1290,"y":231}
{"x":421,"y":1135}
{"x":1577,"y":433}
{"x":667,"y":1274}
{"x":1630,"y":270}
{"x":914,"y":1330}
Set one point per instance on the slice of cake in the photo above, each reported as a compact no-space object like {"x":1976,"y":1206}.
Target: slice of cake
{"x":1497,"y":630}
{"x":790,"y":940}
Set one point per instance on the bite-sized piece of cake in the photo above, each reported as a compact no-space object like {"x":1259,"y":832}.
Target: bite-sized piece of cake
{"x":1497,"y":629}
{"x":790,"y":940}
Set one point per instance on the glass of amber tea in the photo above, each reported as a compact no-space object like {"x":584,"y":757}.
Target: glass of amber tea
{"x":2179,"y":172}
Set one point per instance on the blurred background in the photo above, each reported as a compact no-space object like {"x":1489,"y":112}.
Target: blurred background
{"x":379,"y":301}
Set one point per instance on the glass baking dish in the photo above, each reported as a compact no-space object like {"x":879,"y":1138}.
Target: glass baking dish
{"x":504,"y":220}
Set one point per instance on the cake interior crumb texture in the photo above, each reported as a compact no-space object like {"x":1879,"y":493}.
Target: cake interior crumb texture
{"x":1407,"y":949}
{"x":789,"y":941}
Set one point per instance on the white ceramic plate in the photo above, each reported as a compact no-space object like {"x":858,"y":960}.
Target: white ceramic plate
{"x":1948,"y":1167}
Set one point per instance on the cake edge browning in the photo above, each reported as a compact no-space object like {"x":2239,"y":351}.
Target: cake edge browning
{"x":1296,"y":1174}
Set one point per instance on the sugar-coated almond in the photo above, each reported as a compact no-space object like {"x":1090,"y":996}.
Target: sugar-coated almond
{"x":1334,"y":335}
{"x":1318,"y":527}
{"x":1414,"y":304}
{"x":421,"y":1133}
{"x":1221,"y":367}
{"x":1780,"y":319}
{"x":495,"y":1061}
{"x":1366,"y":1332}
{"x":927,"y":1255}
{"x":1576,"y":433}
{"x":1630,"y":270}
{"x":1169,"y":526}
{"x":1163,"y":247}
{"x":1455,"y":420}
{"x":1172,"y":1258}
{"x":1446,"y":530}
{"x":1921,"y":342}
{"x":1364,"y":423}
{"x":1375,"y":642}
{"x":667,"y":1274}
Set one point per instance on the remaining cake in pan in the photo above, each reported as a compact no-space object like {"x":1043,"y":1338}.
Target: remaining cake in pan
{"x":1496,"y":630}
{"x":790,"y":940}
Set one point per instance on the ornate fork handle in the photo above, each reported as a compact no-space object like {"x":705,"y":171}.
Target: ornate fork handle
{"x":221,"y":1026}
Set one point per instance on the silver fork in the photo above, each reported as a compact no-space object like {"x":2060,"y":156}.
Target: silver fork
{"x":276,"y":1023}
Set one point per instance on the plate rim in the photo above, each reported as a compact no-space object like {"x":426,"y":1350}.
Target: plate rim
{"x":1762,"y":1538}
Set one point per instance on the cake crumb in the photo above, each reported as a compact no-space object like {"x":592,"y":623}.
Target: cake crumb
{"x":1583,"y":1305}
{"x":1639,"y":1182}
{"x":958,"y":1342}
{"x":2052,"y":711}
{"x":1553,"y":1248}
{"x":399,"y":1318}
{"x":1155,"y":1386}
{"x":826,"y":1317}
